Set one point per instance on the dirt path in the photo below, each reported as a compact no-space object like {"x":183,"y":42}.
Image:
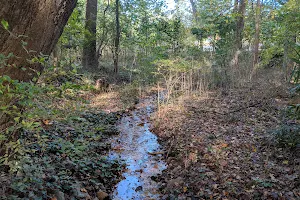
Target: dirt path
{"x":135,"y":145}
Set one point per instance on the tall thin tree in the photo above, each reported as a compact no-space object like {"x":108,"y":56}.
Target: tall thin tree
{"x":239,"y":31}
{"x":89,"y":57}
{"x":117,"y":38}
{"x":194,"y":9}
{"x":257,"y":32}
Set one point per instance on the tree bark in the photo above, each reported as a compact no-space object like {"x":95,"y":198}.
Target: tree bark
{"x":240,"y":23}
{"x":103,"y":37}
{"x":257,"y":32}
{"x":37,"y":25}
{"x":239,"y":31}
{"x":89,"y":57}
{"x":117,"y":39}
{"x":35,"y":22}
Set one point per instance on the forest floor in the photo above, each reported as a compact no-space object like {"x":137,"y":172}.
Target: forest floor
{"x":66,"y":158}
{"x":68,"y":162}
{"x":220,"y":145}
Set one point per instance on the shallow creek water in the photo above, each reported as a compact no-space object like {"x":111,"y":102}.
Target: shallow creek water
{"x":133,"y":145}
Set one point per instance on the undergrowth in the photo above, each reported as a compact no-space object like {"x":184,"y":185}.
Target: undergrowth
{"x":288,"y":135}
{"x":57,"y":142}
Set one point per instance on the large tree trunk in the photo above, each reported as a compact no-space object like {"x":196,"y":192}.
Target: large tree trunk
{"x":257,"y":32}
{"x":117,"y":39}
{"x":37,"y":24}
{"x":89,"y":57}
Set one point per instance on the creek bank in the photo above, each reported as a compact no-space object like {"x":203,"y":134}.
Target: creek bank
{"x":226,"y":156}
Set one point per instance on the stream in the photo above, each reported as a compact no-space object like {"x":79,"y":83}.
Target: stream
{"x":136,"y":145}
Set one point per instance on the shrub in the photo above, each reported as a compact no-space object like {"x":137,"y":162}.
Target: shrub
{"x":288,"y":136}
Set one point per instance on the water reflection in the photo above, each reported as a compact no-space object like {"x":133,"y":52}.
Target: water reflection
{"x":133,"y":146}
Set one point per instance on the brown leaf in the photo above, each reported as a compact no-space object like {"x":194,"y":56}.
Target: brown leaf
{"x":185,"y":189}
{"x":83,"y":190}
{"x":193,"y":157}
{"x":102,"y":195}
{"x":223,"y":163}
{"x":224,"y":145}
{"x":47,"y":122}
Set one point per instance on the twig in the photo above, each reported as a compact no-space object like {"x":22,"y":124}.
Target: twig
{"x":156,"y":153}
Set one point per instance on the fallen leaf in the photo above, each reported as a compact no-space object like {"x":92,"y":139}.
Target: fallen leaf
{"x":286,"y":162}
{"x":215,"y":186}
{"x":102,"y":195}
{"x":83,"y":190}
{"x":47,"y":122}
{"x":273,"y":178}
{"x":224,"y":145}
{"x":185,"y":189}
{"x":193,"y":157}
{"x":223,"y":163}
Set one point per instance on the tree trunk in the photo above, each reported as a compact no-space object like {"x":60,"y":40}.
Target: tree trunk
{"x":35,"y":24}
{"x":89,"y":57}
{"x":235,"y":8}
{"x":257,"y":32}
{"x":287,"y":64}
{"x":103,"y":37}
{"x":240,"y":23}
{"x":117,"y":39}
{"x":194,"y":9}
{"x":239,"y":31}
{"x":39,"y":24}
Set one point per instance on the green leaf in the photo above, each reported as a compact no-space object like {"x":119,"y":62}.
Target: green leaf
{"x":6,"y":78}
{"x":4,"y":24}
{"x":24,"y":43}
{"x":2,"y":137}
{"x":17,"y":119}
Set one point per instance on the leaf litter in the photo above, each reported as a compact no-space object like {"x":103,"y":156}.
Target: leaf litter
{"x":220,"y":147}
